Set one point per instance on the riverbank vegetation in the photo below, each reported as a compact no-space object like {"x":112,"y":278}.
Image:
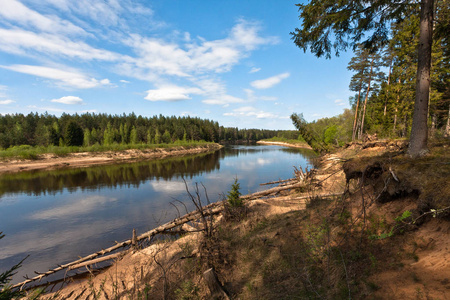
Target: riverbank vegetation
{"x":111,"y":130}
{"x":29,"y":136}
{"x":34,"y":152}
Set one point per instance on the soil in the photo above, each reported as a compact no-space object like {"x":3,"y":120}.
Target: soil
{"x":87,"y":159}
{"x":413,"y":264}
{"x":304,"y":145}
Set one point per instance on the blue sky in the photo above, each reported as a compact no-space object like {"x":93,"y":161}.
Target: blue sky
{"x":229,"y":61}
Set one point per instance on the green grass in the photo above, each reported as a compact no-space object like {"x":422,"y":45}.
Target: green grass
{"x":33,"y":152}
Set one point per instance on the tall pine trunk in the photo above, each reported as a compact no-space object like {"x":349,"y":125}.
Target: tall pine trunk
{"x":387,"y":93}
{"x":365,"y":101}
{"x":447,"y":127}
{"x":396,"y":106}
{"x":356,"y":113}
{"x":419,"y":130}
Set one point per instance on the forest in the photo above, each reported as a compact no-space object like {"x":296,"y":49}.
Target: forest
{"x":102,"y":129}
{"x":385,"y":74}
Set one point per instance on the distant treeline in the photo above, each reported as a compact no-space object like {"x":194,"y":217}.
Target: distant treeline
{"x":89,"y":129}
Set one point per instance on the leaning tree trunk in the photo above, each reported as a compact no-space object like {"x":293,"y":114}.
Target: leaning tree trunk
{"x":419,"y":130}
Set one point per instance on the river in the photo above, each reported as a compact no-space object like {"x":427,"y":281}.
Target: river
{"x":57,"y":216}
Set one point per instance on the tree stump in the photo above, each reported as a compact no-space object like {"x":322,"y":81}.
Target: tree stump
{"x":214,"y":285}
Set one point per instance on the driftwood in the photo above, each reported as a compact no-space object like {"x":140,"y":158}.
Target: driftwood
{"x":273,"y":190}
{"x":279,"y":181}
{"x":97,"y":260}
{"x":214,"y":285}
{"x":211,"y":209}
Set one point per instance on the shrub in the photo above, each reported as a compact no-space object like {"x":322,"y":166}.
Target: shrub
{"x":5,"y":278}
{"x":234,"y":195}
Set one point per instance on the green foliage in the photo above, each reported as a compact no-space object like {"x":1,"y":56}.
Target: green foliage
{"x":329,"y":135}
{"x":324,"y":133}
{"x":5,"y":277}
{"x":336,"y":25}
{"x":46,"y":130}
{"x":400,"y":221}
{"x":187,"y":291}
{"x":74,"y":134}
{"x":234,"y":195}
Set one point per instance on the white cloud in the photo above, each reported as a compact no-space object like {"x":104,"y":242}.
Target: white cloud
{"x":15,"y":11}
{"x":268,"y":98}
{"x":124,"y":81}
{"x":254,"y":70}
{"x":195,"y":57}
{"x":83,"y":206}
{"x":103,"y":12}
{"x":339,"y":102}
{"x":64,"y":78}
{"x":168,"y":186}
{"x":5,"y":102}
{"x":171,"y":93}
{"x":249,"y":111}
{"x":269,"y":82}
{"x":252,"y":97}
{"x":3,"y":88}
{"x":222,"y":100}
{"x":23,"y":42}
{"x":68,"y":100}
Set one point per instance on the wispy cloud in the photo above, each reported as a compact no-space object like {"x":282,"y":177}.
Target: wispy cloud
{"x":179,"y":65}
{"x":339,"y":102}
{"x":252,"y":97}
{"x":197,"y":56}
{"x":83,"y":206}
{"x":14,"y":11}
{"x":22,"y":42}
{"x":6,"y":102}
{"x":269,"y":82}
{"x":172,"y":93}
{"x":249,"y":111}
{"x":68,"y":100}
{"x":64,"y":78}
{"x":223,"y":100}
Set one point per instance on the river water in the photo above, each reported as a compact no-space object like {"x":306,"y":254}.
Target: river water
{"x":57,"y":216}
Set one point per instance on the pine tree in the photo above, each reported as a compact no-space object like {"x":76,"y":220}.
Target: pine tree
{"x":74,"y":134}
{"x":329,"y":25}
{"x":234,"y":195}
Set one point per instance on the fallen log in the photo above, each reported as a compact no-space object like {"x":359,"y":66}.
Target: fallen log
{"x":279,"y":181}
{"x":97,"y":260}
{"x":273,"y":190}
{"x":211,"y":209}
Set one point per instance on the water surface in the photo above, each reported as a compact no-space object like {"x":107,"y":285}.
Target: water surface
{"x":56,"y":216}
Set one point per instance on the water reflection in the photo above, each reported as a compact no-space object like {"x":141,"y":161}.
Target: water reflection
{"x":57,"y":216}
{"x":42,"y":182}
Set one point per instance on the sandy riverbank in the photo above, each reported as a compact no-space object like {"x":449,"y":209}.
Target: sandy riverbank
{"x":87,"y":159}
{"x":304,"y":146}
